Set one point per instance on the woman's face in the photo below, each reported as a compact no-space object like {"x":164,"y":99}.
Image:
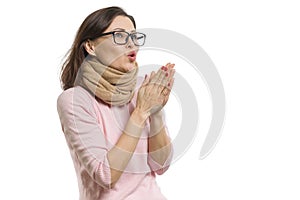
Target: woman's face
{"x":121,"y":57}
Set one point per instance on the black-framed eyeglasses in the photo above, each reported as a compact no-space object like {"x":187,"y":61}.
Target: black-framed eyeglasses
{"x":121,"y":37}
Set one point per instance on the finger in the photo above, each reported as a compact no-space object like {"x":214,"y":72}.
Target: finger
{"x":165,"y":79}
{"x":168,"y":87}
{"x":152,"y":75}
{"x":172,"y":73}
{"x":146,"y":80}
{"x":166,"y":94}
{"x":170,"y":84}
{"x":161,"y":75}
{"x":151,"y":82}
{"x":169,"y":76}
{"x":169,"y":66}
{"x":156,"y":78}
{"x":166,"y":98}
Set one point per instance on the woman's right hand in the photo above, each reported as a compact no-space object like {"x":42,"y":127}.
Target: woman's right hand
{"x":155,"y":90}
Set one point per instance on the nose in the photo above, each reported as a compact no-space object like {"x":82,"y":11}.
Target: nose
{"x":130,"y":43}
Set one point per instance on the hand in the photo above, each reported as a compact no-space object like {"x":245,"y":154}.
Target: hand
{"x":155,"y":90}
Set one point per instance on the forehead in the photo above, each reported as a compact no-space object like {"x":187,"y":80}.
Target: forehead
{"x":121,"y":22}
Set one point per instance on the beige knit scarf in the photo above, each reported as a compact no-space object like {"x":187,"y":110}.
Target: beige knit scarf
{"x":112,"y":86}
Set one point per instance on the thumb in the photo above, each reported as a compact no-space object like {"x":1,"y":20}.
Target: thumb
{"x":146,"y":80}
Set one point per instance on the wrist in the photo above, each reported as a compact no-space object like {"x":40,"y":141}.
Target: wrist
{"x":139,"y":117}
{"x":156,"y":123}
{"x":157,"y":116}
{"x":134,"y":128}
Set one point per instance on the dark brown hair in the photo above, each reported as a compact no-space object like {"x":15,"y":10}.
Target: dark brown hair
{"x":90,"y":29}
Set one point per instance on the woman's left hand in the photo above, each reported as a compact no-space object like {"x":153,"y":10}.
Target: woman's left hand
{"x":162,"y":81}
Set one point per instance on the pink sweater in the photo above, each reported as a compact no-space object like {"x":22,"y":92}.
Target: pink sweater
{"x":91,"y":129}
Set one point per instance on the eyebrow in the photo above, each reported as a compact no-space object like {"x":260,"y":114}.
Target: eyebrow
{"x":122,"y":29}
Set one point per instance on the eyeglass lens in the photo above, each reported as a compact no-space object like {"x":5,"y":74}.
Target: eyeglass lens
{"x":121,"y":37}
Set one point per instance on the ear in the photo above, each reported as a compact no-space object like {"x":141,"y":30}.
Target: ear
{"x":89,"y":47}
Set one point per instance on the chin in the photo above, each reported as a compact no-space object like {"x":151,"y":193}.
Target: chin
{"x":129,"y":66}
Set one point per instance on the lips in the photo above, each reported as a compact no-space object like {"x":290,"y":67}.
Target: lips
{"x":132,"y":56}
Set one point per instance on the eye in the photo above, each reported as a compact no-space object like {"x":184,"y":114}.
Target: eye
{"x":119,"y":34}
{"x":134,"y":37}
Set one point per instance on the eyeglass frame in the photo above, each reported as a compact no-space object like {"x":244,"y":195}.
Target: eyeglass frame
{"x":128,"y":35}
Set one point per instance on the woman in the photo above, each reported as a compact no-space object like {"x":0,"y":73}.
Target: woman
{"x":116,"y":135}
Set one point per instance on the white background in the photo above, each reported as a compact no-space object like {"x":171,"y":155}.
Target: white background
{"x":255,"y":46}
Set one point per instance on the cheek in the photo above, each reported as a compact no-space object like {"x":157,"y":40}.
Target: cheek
{"x":108,"y":53}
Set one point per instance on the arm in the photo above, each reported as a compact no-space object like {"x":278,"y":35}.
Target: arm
{"x":86,"y":138}
{"x":150,"y":100}
{"x":120,"y":155}
{"x":159,"y":144}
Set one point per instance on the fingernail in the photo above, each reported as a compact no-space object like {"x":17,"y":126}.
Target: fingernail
{"x":167,"y":74}
{"x":169,"y":84}
{"x":163,"y":67}
{"x":145,"y":76}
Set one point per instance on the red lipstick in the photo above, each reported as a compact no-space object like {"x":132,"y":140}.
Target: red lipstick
{"x":132,"y":56}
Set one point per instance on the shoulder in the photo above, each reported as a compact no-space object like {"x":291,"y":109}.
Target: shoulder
{"x":76,"y":96}
{"x":65,"y":97}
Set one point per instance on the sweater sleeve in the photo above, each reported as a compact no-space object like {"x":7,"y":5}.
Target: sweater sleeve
{"x":84,"y":134}
{"x":155,"y":166}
